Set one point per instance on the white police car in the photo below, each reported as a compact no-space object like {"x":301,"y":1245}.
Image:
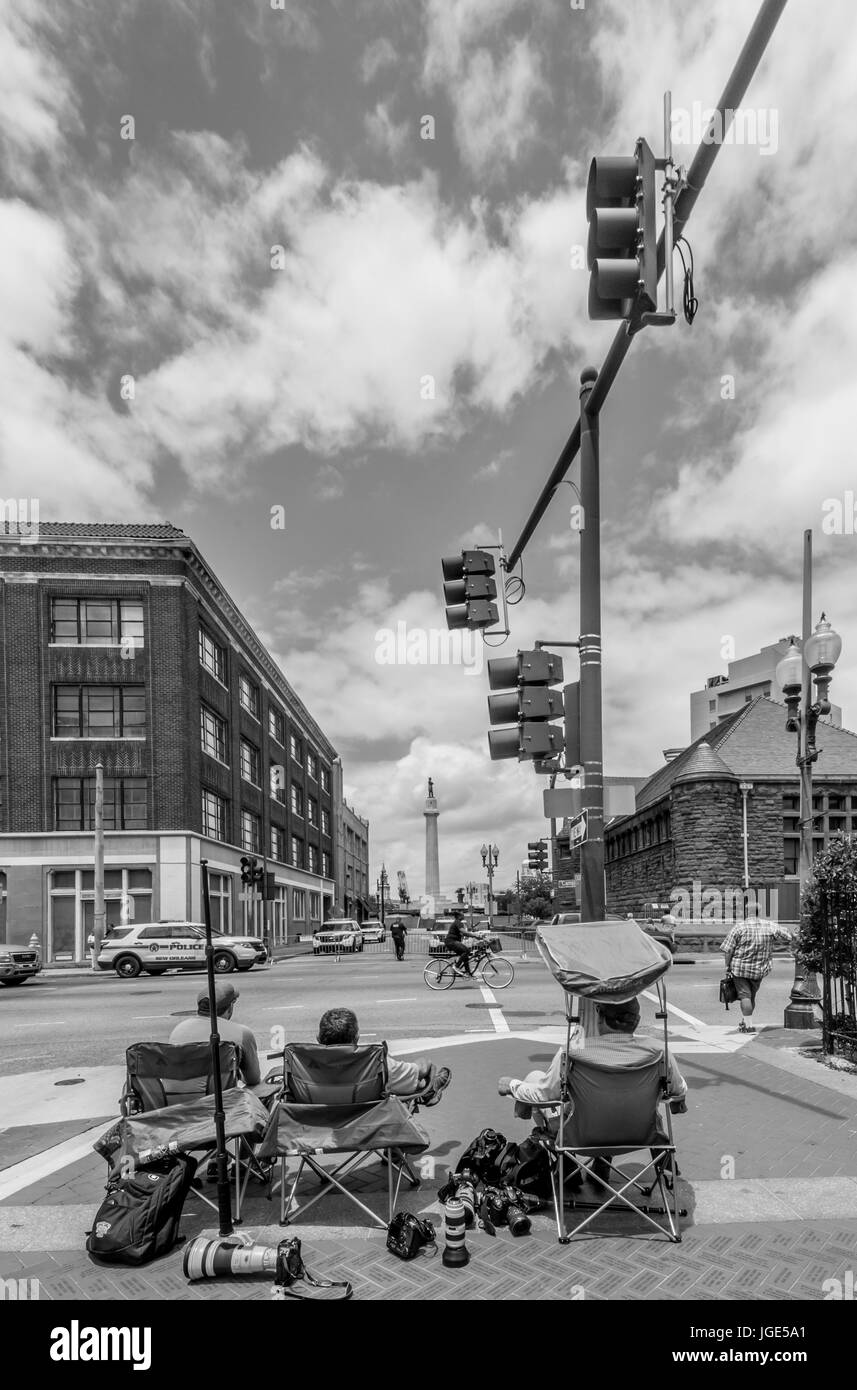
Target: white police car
{"x":155,"y":947}
{"x":342,"y":934}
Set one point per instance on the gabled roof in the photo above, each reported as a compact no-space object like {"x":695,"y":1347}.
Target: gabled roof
{"x":753,"y":742}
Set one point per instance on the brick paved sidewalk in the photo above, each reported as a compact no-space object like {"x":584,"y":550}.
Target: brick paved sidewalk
{"x":769,"y":1164}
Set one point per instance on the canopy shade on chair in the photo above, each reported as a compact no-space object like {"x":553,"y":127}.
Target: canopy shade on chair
{"x":608,"y":962}
{"x":614,"y":1093}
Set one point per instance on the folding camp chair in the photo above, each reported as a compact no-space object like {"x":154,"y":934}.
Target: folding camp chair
{"x":616,"y":1094}
{"x":172,"y":1085}
{"x":613,"y":1098}
{"x":335,"y":1101}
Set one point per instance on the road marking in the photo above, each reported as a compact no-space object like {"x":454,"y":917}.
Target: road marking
{"x":408,"y":999}
{"x":495,"y":1015}
{"x":281,"y":1008}
{"x":688,"y":1018}
{"x":44,"y":1023}
{"x":49,"y":1161}
{"x":140,"y":1018}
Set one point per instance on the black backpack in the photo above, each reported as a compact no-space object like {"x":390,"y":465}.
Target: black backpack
{"x":528,"y":1167}
{"x":482,"y":1156}
{"x":139,"y":1217}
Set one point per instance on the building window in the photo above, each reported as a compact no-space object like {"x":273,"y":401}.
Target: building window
{"x":277,"y":726}
{"x":835,"y":824}
{"x":71,"y":909}
{"x":251,"y":832}
{"x":250,"y":763}
{"x":213,"y":815}
{"x":325,"y":864}
{"x":312,"y":859}
{"x":766,"y":692}
{"x":297,"y":800}
{"x":88,"y":622}
{"x":712,"y":706}
{"x":124,"y":803}
{"x":312,"y":765}
{"x":791,"y":856}
{"x":278,"y":844}
{"x":212,"y":656}
{"x":312,"y":811}
{"x":214,"y":732}
{"x":248,"y":696}
{"x":325,"y":822}
{"x":297,"y":852}
{"x":99,"y":711}
{"x":278,"y":790}
{"x":299,"y":904}
{"x":296,"y":748}
{"x":325,"y":780}
{"x":315,"y":907}
{"x":220,"y":894}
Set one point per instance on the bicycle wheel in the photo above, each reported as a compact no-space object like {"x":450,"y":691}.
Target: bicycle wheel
{"x":439,"y":974}
{"x":498,"y":972}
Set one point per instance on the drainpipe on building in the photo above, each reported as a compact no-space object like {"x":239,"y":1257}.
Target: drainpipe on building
{"x":744,"y":788}
{"x":99,"y":912}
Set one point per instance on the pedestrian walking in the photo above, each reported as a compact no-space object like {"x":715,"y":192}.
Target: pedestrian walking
{"x":398,"y":932}
{"x":748,"y":949}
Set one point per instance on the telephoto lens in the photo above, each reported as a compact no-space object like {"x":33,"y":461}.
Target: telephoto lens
{"x":218,"y":1259}
{"x":465,"y":1191}
{"x":455,"y":1251}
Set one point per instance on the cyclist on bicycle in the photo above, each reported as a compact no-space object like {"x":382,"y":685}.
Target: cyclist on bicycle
{"x":455,"y":945}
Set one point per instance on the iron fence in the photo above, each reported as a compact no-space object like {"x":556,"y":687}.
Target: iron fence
{"x":839,"y":971}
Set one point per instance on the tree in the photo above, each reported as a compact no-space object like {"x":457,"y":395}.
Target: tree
{"x":533,"y":898}
{"x":830,"y":892}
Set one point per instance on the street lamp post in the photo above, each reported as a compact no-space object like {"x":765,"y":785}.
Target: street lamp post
{"x":383,"y":885}
{"x":744,"y":788}
{"x":490,"y":859}
{"x":795,"y":674}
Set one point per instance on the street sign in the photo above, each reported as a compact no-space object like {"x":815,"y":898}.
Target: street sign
{"x":619,"y":800}
{"x":577,"y":831}
{"x":565,"y":883}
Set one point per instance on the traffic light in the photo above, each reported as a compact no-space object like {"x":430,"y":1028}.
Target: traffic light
{"x":529,"y":705}
{"x":252,"y":872}
{"x":622,"y":248}
{"x":469,"y":588}
{"x":537,"y":856}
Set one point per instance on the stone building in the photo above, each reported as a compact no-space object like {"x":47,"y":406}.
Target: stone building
{"x":687,"y":832}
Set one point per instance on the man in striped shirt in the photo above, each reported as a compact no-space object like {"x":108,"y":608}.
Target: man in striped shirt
{"x":748,"y":949}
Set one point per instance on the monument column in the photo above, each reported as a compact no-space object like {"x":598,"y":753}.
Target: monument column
{"x":431,"y":814}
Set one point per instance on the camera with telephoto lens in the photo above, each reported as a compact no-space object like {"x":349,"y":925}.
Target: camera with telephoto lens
{"x":507,"y":1206}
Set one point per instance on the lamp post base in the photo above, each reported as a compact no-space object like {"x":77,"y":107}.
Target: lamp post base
{"x":799,"y":1013}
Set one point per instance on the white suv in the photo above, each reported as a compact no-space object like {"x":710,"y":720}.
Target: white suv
{"x":155,"y":947}
{"x":341,"y":935}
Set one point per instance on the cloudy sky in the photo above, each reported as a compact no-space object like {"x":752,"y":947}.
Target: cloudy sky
{"x":279,"y":259}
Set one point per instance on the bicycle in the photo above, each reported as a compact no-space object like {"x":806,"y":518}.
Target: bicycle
{"x":494,"y":971}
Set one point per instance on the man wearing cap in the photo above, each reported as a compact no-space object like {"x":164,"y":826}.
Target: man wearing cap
{"x":198,"y":1029}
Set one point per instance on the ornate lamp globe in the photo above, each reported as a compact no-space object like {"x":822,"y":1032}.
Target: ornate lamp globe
{"x":823,"y":648}
{"x":790,"y":670}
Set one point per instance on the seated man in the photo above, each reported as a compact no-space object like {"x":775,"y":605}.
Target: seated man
{"x":404,"y":1078}
{"x":454,"y":943}
{"x":198,"y":1029}
{"x":619,"y":1022}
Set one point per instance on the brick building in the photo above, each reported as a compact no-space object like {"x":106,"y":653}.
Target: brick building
{"x":118,"y":644}
{"x":688,"y":826}
{"x":352,"y":854}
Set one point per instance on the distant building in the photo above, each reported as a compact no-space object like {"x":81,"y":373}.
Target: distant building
{"x":688,"y":824}
{"x":352,"y":854}
{"x":118,"y":644}
{"x":747,"y":678}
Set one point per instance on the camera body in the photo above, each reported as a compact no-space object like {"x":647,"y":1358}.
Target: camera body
{"x":507,"y":1205}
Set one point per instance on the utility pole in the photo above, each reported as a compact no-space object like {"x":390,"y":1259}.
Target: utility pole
{"x":592,"y":900}
{"x":99,"y":912}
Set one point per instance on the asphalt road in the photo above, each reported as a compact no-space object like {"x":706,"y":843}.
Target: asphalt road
{"x":76,"y":1020}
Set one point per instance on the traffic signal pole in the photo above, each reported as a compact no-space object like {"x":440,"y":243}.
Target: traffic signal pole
{"x":592,"y":899}
{"x":731,"y":98}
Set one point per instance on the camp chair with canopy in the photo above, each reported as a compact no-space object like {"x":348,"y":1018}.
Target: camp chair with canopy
{"x":614,"y":1094}
{"x":335,"y":1102}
